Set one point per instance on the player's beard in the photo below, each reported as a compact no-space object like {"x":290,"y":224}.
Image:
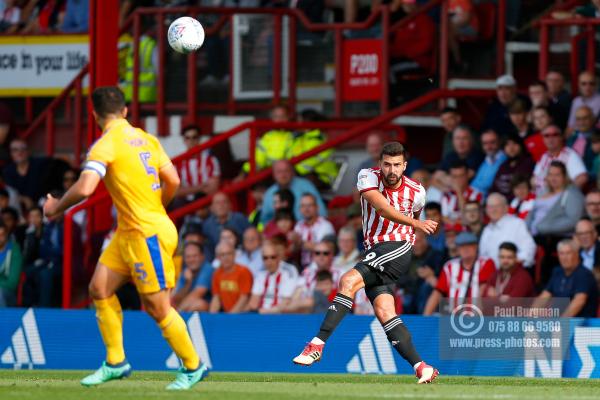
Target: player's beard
{"x":391,"y":179}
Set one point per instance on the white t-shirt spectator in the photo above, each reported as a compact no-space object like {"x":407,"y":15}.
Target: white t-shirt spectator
{"x":253,"y":260}
{"x":312,"y":233}
{"x":511,"y":229}
{"x":568,"y":156}
{"x":273,"y":287}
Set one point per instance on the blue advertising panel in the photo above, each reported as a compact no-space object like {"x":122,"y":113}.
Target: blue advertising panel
{"x":58,"y":339}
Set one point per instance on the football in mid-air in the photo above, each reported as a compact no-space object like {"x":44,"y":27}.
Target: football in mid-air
{"x":186,"y":34}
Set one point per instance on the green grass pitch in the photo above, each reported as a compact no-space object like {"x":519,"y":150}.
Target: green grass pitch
{"x":64,"y":385}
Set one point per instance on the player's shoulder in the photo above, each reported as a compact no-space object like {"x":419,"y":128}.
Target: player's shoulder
{"x":413,"y":184}
{"x":369,"y":172}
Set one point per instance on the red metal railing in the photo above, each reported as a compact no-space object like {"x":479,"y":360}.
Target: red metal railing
{"x":588,"y":24}
{"x":354,"y":130}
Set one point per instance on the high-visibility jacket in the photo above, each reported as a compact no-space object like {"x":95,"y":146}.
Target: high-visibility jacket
{"x":321,"y":164}
{"x":147,"y":76}
{"x":272,"y":146}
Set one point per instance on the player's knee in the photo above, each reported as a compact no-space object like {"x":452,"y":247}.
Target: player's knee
{"x":348,"y":284}
{"x":96,"y":291}
{"x":383,"y":312}
{"x":158,"y":312}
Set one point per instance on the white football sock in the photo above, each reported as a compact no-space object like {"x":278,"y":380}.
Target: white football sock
{"x":316,"y":340}
{"x":417,"y":365}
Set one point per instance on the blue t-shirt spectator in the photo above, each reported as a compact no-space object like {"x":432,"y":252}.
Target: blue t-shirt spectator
{"x":76,"y":16}
{"x":203,"y":279}
{"x":581,"y":280}
{"x":298,"y":186}
{"x":484,"y":178}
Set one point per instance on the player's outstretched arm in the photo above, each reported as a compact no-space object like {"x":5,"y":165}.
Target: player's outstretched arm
{"x":83,"y":188}
{"x":170,"y":183}
{"x":376,"y":199}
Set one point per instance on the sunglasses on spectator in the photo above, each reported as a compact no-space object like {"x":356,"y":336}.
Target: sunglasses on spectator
{"x":18,"y":148}
{"x":322,"y":253}
{"x":266,"y":257}
{"x":186,"y":137}
{"x":587,"y":83}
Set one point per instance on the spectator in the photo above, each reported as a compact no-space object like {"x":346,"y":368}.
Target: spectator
{"x":411,"y":46}
{"x":518,"y":162}
{"x":462,"y":278}
{"x":558,"y":95}
{"x":311,"y":229}
{"x":588,"y":96}
{"x":557,"y":151}
{"x":533,"y":141}
{"x":10,"y":268}
{"x":284,"y":224}
{"x":433,"y":211}
{"x":460,"y":193}
{"x":47,"y":17}
{"x":274,"y":144}
{"x":450,"y":119}
{"x":283,"y":173}
{"x":502,"y":228}
{"x":580,"y":139}
{"x":472,"y":217}
{"x":320,"y":169}
{"x":592,"y":207}
{"x":10,"y":219}
{"x":586,"y":238}
{"x":231,"y":283}
{"x":523,"y":198}
{"x":274,"y":285}
{"x":9,"y":198}
{"x":6,"y":132}
{"x":519,"y":117}
{"x":249,"y":254}
{"x":348,"y":254}
{"x":494,"y":157}
{"x":230,"y":236}
{"x":463,"y":24}
{"x":221,"y":216}
{"x":423,"y":176}
{"x":595,"y":146}
{"x":25,"y":173}
{"x":10,"y":15}
{"x":324,"y":292}
{"x":511,"y":279}
{"x":283,"y":199}
{"x":192,"y":292}
{"x":374,"y":144}
{"x":148,"y":60}
{"x":425,"y":266}
{"x":201,"y":174}
{"x":539,"y":96}
{"x":76,"y":16}
{"x":258,"y":194}
{"x":463,"y":149}
{"x":497,"y":117}
{"x":304,"y":297}
{"x":31,"y":249}
{"x":571,"y":280}
{"x":451,"y":231}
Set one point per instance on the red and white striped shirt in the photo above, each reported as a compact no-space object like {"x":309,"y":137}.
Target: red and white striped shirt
{"x":573,"y":163}
{"x":274,"y":287}
{"x":308,"y":279}
{"x":454,"y":278}
{"x":408,"y":199}
{"x":199,"y":169}
{"x":313,"y":233}
{"x":521,"y":208}
{"x":450,"y":206}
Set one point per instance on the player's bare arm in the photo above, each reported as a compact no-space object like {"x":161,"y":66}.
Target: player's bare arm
{"x":82,"y":189}
{"x":170,"y":183}
{"x":376,"y":199}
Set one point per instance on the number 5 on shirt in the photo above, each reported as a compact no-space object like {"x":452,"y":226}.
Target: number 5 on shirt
{"x":150,"y":170}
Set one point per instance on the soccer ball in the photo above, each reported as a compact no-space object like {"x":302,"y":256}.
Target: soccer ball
{"x":186,"y":34}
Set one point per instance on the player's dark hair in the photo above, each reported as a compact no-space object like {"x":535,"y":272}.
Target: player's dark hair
{"x":287,"y":196}
{"x":191,"y":127}
{"x":433,"y":205}
{"x":508,"y":246}
{"x":518,"y":180}
{"x":392,"y":149}
{"x":539,"y":83}
{"x":459,"y":164}
{"x":10,"y":211}
{"x":560,"y":165}
{"x":193,"y":244}
{"x":108,"y":100}
{"x":323,"y":275}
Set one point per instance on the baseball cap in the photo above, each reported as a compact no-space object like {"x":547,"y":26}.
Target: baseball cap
{"x":506,"y":80}
{"x":464,"y":238}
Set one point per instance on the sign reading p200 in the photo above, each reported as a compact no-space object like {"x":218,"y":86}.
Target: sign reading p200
{"x":362,"y":78}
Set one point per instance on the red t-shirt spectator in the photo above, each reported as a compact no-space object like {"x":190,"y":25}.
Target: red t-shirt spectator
{"x":415,"y":41}
{"x":535,"y":146}
{"x":517,"y":284}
